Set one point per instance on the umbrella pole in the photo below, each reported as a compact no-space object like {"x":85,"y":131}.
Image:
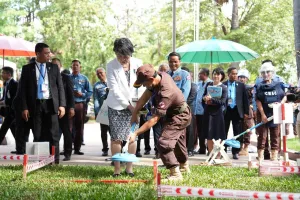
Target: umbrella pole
{"x":211,"y":61}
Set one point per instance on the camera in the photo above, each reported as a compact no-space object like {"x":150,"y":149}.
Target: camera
{"x":249,"y":89}
{"x":293,"y":94}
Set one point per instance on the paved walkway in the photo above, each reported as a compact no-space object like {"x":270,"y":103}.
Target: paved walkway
{"x":93,"y":147}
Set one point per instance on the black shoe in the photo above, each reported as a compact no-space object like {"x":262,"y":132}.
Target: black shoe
{"x":190,"y":154}
{"x":83,"y":144}
{"x":67,"y":158}
{"x":116,"y":175}
{"x":138,"y":154}
{"x":267,"y":157}
{"x":202,"y":151}
{"x":78,"y":153}
{"x":147,"y":153}
{"x":129,"y":174}
{"x":62,"y":153}
{"x":104,"y":153}
{"x":235,"y":156}
{"x":13,"y":152}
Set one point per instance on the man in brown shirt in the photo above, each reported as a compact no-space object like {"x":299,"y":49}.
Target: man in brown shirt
{"x":168,"y":102}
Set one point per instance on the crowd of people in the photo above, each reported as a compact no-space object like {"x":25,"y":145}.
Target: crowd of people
{"x":185,"y":116}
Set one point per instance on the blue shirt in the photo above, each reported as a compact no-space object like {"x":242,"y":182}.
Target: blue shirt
{"x":182,"y":80}
{"x":99,"y":94}
{"x":231,"y":94}
{"x":82,"y":84}
{"x":198,"y":107}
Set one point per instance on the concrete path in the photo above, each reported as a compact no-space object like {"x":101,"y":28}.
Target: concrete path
{"x":93,"y":147}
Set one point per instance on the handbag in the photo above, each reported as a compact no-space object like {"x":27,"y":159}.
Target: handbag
{"x":102,"y":116}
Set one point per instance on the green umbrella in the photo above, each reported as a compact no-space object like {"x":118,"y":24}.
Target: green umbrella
{"x":215,"y":51}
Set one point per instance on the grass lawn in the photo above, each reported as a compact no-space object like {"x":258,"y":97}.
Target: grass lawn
{"x":46,"y":183}
{"x":293,"y":143}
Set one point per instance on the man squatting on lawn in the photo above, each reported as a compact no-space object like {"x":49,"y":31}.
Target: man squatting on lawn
{"x":168,"y":102}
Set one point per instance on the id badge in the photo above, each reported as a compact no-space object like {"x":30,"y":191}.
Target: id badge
{"x":44,"y":87}
{"x":229,"y":101}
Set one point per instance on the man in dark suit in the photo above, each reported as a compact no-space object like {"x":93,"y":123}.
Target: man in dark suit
{"x":190,"y":130}
{"x":22,"y":127}
{"x":43,"y":97}
{"x":237,"y":106}
{"x":9,"y":93}
{"x":64,"y":121}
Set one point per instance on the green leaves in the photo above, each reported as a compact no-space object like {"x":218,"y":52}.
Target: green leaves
{"x":86,"y":29}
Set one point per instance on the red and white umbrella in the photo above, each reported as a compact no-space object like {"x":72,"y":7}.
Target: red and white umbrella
{"x":16,"y":47}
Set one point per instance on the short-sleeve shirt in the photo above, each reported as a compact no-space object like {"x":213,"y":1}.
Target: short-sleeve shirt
{"x":167,"y":101}
{"x":168,"y":97}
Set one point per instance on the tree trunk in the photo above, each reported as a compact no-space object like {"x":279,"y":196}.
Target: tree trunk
{"x":297,"y":33}
{"x":235,"y":24}
{"x":235,"y":15}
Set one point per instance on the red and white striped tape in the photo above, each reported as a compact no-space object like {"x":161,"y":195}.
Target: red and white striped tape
{"x":281,"y":169}
{"x":274,"y":163}
{"x":21,"y":157}
{"x":166,"y":190}
{"x":37,"y":165}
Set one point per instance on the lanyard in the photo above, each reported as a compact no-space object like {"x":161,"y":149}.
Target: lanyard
{"x":43,"y":76}
{"x":231,"y":85}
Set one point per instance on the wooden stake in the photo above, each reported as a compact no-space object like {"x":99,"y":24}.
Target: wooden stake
{"x":25,"y":161}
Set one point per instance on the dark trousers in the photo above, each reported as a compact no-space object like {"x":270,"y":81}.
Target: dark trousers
{"x":248,"y":123}
{"x":199,"y":121}
{"x":45,"y":123}
{"x":157,"y":128}
{"x":104,"y":129}
{"x":190,"y":135}
{"x":66,"y":131}
{"x":262,"y":132}
{"x":173,"y":149}
{"x":22,"y":132}
{"x":8,"y":123}
{"x":145,"y":136}
{"x":232,"y":115}
{"x":78,"y":125}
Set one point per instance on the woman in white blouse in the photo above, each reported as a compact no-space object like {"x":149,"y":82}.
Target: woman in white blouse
{"x":121,"y":74}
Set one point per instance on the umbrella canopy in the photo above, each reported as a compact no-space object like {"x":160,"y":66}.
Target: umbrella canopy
{"x":10,"y":46}
{"x":215,"y":51}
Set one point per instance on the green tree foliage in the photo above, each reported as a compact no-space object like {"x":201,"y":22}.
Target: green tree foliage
{"x":78,"y":30}
{"x":86,"y":29}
